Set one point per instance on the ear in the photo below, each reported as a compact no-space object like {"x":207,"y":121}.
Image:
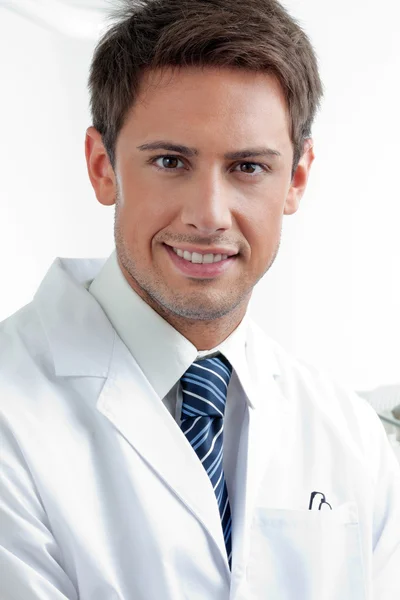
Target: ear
{"x":101,"y":173}
{"x":300,"y":178}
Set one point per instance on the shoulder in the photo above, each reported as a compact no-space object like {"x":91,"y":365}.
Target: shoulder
{"x":297,"y":377}
{"x":323,"y":401}
{"x":25,"y":362}
{"x":22,"y":342}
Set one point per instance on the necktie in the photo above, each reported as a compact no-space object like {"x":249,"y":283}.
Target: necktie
{"x":204,"y":389}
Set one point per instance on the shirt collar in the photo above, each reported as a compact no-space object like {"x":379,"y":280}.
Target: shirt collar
{"x":162,"y":353}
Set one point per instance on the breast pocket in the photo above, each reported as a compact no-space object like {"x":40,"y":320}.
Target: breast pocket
{"x":306,"y":555}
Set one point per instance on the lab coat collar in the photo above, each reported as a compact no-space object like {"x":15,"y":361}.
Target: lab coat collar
{"x":81,"y":335}
{"x":161,"y":351}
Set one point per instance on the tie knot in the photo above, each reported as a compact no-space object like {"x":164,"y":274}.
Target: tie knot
{"x":204,"y":387}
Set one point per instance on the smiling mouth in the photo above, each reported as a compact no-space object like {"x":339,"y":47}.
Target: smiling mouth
{"x":203,"y":257}
{"x":194,"y":264}
{"x":197,"y":258}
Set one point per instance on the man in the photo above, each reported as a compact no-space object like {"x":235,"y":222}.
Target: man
{"x":156,"y":444}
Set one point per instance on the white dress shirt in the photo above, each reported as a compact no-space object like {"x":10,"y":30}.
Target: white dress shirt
{"x":164,"y":355}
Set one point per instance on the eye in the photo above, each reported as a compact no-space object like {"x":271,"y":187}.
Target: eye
{"x":166,"y":163}
{"x":250,"y":168}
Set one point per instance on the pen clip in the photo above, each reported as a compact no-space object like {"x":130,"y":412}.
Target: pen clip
{"x":323,"y":501}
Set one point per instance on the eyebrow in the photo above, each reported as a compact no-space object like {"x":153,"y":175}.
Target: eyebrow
{"x":190,"y":152}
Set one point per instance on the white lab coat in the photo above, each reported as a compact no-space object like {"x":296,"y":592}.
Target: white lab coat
{"x":104,"y":499}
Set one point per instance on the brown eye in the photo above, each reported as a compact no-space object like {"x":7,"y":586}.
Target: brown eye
{"x":252,"y":169}
{"x":249,"y":167}
{"x":167,"y":163}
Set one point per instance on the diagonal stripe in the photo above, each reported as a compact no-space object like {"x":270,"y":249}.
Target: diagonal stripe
{"x":211,"y":371}
{"x":227,"y":537}
{"x":216,"y":471}
{"x":204,"y":430}
{"x":221,"y":366}
{"x":195,"y":411}
{"x":207,"y":385}
{"x":210,"y":394}
{"x":203,"y":400}
{"x":220,"y":477}
{"x":212,"y":379}
{"x":213,"y":444}
{"x":225,"y":507}
{"x":211,"y":470}
{"x":228,"y":528}
{"x":186,"y":431}
{"x":190,"y":412}
{"x":221,"y":494}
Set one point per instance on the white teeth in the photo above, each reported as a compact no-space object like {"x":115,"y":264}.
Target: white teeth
{"x":197,"y":258}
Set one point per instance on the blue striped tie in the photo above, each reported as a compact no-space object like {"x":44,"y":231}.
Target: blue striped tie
{"x":204,"y":389}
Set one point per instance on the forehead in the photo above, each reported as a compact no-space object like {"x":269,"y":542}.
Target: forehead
{"x":234,"y":106}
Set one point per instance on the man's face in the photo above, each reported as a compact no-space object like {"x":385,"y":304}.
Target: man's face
{"x":198,"y":199}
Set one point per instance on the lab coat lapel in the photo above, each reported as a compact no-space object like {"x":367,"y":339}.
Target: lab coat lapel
{"x":266,"y":424}
{"x":83,"y":344}
{"x":134,"y":408}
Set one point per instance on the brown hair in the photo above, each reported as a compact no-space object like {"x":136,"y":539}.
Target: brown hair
{"x":257,"y":35}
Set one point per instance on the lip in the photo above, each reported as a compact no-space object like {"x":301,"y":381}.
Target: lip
{"x":200,"y":271}
{"x":212,"y":250}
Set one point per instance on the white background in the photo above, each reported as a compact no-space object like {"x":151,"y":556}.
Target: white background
{"x":333,"y":294}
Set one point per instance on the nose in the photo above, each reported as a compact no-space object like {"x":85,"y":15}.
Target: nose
{"x":206,"y":204}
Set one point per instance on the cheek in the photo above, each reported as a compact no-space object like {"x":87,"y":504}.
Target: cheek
{"x":138,"y":198}
{"x":262,"y":231}
{"x":140,"y":220}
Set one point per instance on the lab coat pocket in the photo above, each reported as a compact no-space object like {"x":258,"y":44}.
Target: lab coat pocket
{"x":306,"y":555}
